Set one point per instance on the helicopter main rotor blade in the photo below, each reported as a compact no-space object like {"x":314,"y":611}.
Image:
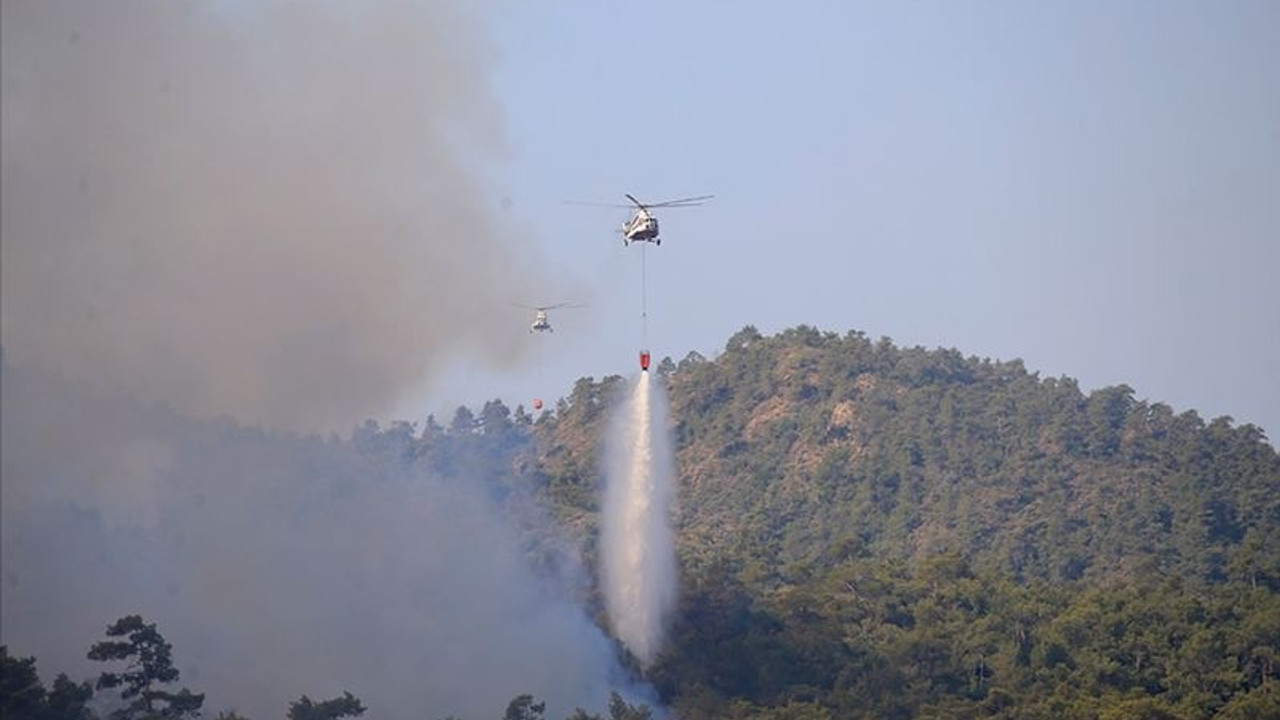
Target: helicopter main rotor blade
{"x":682,"y":202}
{"x":594,"y":204}
{"x":548,"y":307}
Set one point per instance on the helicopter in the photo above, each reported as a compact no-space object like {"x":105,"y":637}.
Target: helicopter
{"x":540,"y":321}
{"x":643,"y":224}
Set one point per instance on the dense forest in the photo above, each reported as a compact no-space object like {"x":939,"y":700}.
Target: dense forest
{"x":871,"y":531}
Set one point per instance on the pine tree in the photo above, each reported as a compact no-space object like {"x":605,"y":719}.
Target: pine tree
{"x":150,"y":665}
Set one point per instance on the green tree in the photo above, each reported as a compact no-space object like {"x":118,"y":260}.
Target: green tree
{"x":620,"y":709}
{"x":1261,"y":704}
{"x":464,"y":421}
{"x":495,"y":418}
{"x":66,"y":700}
{"x":149,"y":665}
{"x":22,"y":696}
{"x":346,"y":706}
{"x":1139,"y":709}
{"x":523,"y":707}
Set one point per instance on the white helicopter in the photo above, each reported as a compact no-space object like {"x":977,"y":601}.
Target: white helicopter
{"x":643,"y":225}
{"x":540,"y":321}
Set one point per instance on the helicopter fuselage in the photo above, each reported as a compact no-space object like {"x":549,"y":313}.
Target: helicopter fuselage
{"x":642,"y":227}
{"x":540,"y":322}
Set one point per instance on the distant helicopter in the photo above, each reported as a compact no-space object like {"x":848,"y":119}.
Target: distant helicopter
{"x":540,"y":321}
{"x":643,"y":224}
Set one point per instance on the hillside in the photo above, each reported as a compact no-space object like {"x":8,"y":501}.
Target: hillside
{"x":882,"y":531}
{"x":800,"y":442}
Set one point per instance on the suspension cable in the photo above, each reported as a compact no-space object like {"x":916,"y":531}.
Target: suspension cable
{"x":644,"y":299}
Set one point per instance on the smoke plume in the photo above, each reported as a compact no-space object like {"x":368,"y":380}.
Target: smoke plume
{"x":277,"y":565}
{"x":220,"y":217}
{"x":639,"y":570}
{"x":274,"y":211}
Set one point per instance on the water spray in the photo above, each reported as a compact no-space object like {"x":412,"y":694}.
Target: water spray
{"x":637,"y":548}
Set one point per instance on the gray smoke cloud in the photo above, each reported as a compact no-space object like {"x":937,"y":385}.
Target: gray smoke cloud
{"x":274,"y":211}
{"x":278,"y":565}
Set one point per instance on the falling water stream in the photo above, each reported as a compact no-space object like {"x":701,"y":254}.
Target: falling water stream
{"x":637,"y":549}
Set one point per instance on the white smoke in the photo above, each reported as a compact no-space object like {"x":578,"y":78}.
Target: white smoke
{"x":639,"y":564}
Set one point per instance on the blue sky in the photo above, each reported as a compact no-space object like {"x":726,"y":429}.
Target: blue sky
{"x":1091,"y":187}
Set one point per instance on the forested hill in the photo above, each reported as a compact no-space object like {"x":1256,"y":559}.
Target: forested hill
{"x":793,"y":445}
{"x":884,"y":531}
{"x":799,"y":442}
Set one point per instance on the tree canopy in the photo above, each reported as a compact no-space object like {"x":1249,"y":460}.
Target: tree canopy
{"x":148,"y":666}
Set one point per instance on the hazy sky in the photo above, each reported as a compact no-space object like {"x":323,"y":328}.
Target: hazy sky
{"x":1093,"y":187}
